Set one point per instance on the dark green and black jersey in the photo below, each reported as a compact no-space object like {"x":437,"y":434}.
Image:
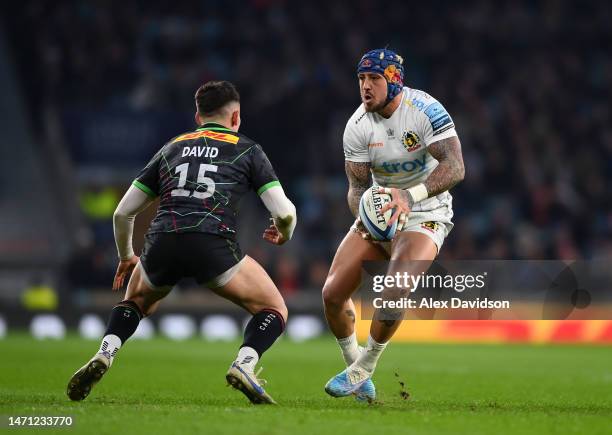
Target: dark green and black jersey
{"x":200,"y":178}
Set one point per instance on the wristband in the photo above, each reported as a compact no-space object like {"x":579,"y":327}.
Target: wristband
{"x":418,"y":192}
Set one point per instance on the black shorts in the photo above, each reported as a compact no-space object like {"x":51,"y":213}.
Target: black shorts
{"x":167,"y":257}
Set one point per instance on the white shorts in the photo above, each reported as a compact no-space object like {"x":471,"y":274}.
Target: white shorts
{"x":435,"y":224}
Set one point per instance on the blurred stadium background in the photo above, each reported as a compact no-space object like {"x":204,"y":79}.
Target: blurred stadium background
{"x":92,"y":89}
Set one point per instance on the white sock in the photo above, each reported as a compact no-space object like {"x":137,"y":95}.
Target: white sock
{"x":247,"y":356}
{"x":369,"y":357}
{"x":350,"y":348}
{"x":109,"y":346}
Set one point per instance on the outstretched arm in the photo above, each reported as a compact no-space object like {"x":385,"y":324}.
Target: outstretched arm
{"x":133,"y":202}
{"x":284,"y":217}
{"x":358,"y":174}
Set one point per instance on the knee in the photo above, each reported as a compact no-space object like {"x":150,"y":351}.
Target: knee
{"x":277,"y":306}
{"x":140,"y":302}
{"x":147,"y":300}
{"x":394,"y":293}
{"x":283,"y":311}
{"x":332,"y":298}
{"x":133,"y":304}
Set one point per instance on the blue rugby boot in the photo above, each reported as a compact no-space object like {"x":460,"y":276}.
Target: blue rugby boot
{"x":347,"y":382}
{"x":366,"y":393}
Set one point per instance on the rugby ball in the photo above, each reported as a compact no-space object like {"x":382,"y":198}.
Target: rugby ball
{"x":370,"y":203}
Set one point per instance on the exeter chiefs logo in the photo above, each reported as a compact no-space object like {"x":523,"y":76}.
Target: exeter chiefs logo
{"x":430,"y":226}
{"x":411,"y":141}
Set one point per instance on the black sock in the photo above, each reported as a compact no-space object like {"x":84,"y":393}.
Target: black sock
{"x":263,"y":329}
{"x":123,"y":320}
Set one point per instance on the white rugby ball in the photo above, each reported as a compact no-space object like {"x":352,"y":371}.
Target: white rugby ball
{"x":370,"y":203}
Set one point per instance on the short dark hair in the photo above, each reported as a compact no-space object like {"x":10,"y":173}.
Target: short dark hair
{"x":213,"y":95}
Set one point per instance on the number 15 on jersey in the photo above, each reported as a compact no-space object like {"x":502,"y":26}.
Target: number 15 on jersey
{"x":202,"y":180}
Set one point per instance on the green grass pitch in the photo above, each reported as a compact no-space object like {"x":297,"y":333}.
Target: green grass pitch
{"x":167,"y":387}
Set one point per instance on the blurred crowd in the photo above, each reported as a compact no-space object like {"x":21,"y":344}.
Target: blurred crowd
{"x":529,"y":85}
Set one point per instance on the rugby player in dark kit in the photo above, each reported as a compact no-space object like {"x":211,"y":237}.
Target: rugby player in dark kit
{"x":199,"y":178}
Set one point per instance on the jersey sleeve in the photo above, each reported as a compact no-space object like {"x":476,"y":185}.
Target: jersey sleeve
{"x":148,"y":179}
{"x":262,"y":173}
{"x":435,"y":123}
{"x":354,"y":142}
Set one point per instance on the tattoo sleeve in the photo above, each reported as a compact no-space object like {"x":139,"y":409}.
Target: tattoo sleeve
{"x":450,"y":169}
{"x":358,"y":174}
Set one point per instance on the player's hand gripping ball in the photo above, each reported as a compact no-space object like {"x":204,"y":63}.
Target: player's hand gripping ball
{"x":371,"y":203}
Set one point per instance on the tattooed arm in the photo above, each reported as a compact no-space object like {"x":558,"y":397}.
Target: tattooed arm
{"x":450,"y":169}
{"x":358,"y":174}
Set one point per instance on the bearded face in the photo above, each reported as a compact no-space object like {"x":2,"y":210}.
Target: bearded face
{"x":373,"y":91}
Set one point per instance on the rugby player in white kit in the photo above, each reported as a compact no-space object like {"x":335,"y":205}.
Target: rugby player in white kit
{"x":407,"y":141}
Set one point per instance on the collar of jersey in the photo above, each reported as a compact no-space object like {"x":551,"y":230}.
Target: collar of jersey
{"x":214,"y":126}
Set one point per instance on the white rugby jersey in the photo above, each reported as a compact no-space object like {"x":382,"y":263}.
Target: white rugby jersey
{"x":397,"y":147}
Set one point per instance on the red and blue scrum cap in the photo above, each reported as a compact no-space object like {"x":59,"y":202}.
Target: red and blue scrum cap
{"x":388,"y":64}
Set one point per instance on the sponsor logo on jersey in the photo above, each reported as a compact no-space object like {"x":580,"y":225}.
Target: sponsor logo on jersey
{"x":411,"y":141}
{"x":391,"y":168}
{"x":223,"y":137}
{"x":438,"y":116}
{"x":416,"y":103}
{"x":360,"y":118}
{"x":430,"y":226}
{"x":442,"y":130}
{"x":390,"y":133}
{"x":376,"y":145}
{"x":421,"y":93}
